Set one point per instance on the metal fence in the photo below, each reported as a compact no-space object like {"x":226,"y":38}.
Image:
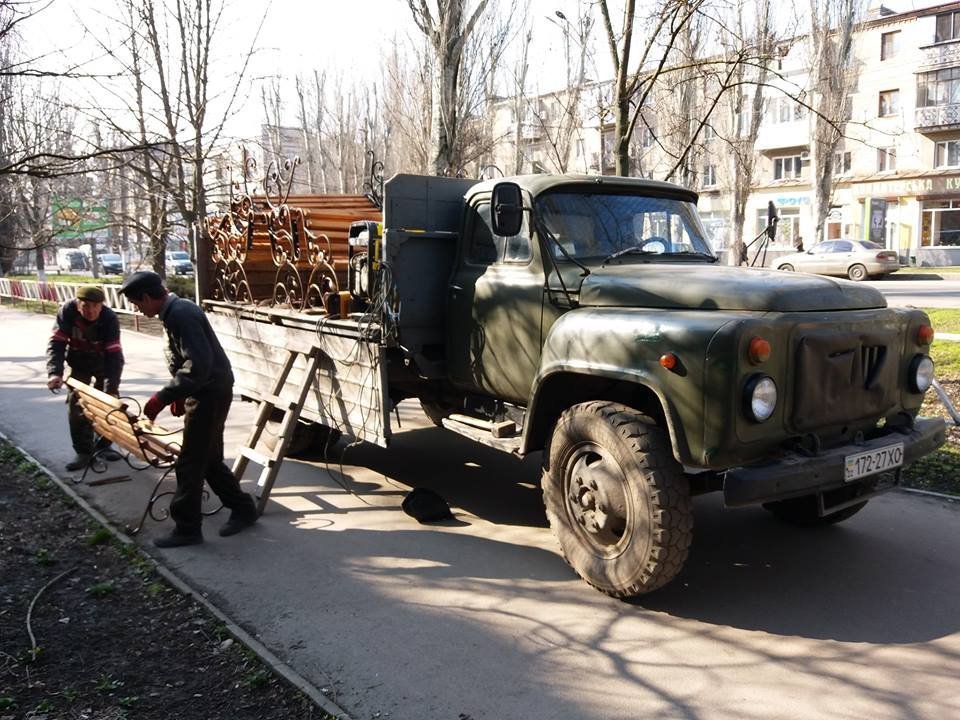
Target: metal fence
{"x":59,"y":293}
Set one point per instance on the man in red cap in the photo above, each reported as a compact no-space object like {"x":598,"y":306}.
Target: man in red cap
{"x":86,"y":336}
{"x":201,"y":389}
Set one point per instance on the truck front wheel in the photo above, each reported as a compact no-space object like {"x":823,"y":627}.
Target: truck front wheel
{"x":616,"y":498}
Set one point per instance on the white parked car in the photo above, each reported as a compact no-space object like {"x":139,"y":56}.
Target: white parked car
{"x":855,"y":259}
{"x":178,"y":263}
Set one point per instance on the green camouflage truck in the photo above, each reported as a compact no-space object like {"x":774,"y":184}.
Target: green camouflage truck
{"x":588,"y":319}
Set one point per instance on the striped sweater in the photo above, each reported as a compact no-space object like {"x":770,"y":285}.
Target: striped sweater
{"x":89,"y":348}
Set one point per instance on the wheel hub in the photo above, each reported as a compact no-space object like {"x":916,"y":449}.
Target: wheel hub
{"x":596,"y":498}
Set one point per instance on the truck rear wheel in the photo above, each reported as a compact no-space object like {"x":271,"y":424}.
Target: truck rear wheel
{"x":617,"y":500}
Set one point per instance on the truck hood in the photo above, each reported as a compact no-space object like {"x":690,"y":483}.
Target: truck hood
{"x":719,"y":287}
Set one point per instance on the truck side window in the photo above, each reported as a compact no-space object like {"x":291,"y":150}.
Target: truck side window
{"x":484,"y":248}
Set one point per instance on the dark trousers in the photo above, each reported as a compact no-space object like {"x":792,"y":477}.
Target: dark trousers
{"x":201,"y":458}
{"x":85,"y":441}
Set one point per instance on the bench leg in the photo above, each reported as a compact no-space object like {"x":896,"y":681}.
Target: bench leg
{"x":164,"y":513}
{"x":95,"y":464}
{"x":155,"y":495}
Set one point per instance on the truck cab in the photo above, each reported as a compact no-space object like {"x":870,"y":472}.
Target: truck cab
{"x":590,"y":315}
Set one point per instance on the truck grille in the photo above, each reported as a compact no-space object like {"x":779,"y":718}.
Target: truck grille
{"x":842,"y":378}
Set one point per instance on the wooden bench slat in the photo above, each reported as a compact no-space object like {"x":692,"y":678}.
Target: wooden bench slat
{"x":112,"y":420}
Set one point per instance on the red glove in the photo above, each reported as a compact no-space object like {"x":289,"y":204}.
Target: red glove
{"x":177,"y":407}
{"x":153,"y":407}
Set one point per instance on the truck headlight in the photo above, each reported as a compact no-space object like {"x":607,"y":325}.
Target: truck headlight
{"x":760,"y":397}
{"x":921,"y":373}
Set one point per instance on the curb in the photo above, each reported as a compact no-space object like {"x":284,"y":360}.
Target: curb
{"x":254,"y":645}
{"x":930,"y":494}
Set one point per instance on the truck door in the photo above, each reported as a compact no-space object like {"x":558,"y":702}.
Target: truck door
{"x":494,"y":309}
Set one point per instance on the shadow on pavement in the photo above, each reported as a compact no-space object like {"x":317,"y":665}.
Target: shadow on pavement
{"x":866,"y":580}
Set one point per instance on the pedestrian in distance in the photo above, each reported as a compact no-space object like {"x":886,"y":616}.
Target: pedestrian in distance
{"x":201,"y":390}
{"x":86,"y":338}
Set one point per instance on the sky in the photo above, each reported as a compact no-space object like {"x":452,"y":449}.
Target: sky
{"x":298,"y":36}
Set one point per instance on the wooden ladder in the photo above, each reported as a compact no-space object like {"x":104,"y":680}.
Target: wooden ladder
{"x":270,"y":464}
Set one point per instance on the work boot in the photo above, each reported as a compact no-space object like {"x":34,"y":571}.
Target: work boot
{"x":179,"y":538}
{"x":239,"y":520}
{"x":110,"y":455}
{"x":79,"y":462}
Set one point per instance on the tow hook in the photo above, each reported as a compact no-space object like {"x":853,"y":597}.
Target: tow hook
{"x":945,"y":399}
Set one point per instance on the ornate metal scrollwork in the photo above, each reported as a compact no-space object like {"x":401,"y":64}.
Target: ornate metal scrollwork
{"x":278,"y":181}
{"x":373,"y":184}
{"x":323,"y":277}
{"x":231,"y":282}
{"x":288,"y":287}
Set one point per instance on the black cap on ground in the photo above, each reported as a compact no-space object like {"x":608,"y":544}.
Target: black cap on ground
{"x":425,"y":506}
{"x":138,"y":284}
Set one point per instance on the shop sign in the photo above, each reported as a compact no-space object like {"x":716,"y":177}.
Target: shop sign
{"x":792,"y":200}
{"x":907,"y":188}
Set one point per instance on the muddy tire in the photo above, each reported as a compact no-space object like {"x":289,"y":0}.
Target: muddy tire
{"x":857,"y":273}
{"x":803,"y":511}
{"x":618,"y":502}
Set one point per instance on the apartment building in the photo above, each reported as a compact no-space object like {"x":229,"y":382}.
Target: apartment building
{"x":897,"y":169}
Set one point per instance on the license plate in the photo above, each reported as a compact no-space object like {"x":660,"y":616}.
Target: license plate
{"x":871,"y":462}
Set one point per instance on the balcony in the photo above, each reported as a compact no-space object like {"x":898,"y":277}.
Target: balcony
{"x":935,"y":56}
{"x":937,"y":117}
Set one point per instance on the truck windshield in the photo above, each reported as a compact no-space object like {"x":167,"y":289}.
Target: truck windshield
{"x":598,"y":227}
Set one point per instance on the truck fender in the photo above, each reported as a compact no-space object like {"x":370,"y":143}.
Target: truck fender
{"x":562,"y":385}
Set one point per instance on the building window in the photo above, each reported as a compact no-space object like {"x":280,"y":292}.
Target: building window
{"x":948,"y":27}
{"x":940,"y":223}
{"x":841,"y":163}
{"x":709,"y":175}
{"x":889,"y":103}
{"x":788,"y":228}
{"x":787,"y":167}
{"x":886,"y":159}
{"x":947,"y":154}
{"x":784,"y":110}
{"x":940,"y":87}
{"x":889,"y":45}
{"x":647,"y":137}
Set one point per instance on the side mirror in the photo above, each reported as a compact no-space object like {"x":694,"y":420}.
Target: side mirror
{"x":772,"y":220}
{"x":506,"y":209}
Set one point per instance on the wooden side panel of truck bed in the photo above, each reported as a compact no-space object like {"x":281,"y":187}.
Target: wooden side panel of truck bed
{"x":350,"y":389}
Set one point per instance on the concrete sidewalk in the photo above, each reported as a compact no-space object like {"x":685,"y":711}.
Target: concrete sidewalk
{"x":481,"y":618}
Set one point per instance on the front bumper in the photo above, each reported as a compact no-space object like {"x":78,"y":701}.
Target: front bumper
{"x":794,"y":474}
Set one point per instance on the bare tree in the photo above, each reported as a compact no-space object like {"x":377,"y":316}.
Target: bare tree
{"x":174,"y":105}
{"x":744,"y":111}
{"x":831,"y":81}
{"x":632,"y":87}
{"x":37,"y":122}
{"x":447,"y":28}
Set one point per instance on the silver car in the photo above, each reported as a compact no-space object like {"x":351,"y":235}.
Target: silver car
{"x":855,"y":259}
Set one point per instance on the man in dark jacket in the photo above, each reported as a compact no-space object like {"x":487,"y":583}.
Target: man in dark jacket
{"x":86,"y":336}
{"x":201,"y":389}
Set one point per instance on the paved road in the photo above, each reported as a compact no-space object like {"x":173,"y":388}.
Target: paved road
{"x":481,"y":618}
{"x":920,"y":293}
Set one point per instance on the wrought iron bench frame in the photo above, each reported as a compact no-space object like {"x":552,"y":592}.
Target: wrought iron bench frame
{"x":136,"y":437}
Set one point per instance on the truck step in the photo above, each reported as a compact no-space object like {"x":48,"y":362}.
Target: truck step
{"x":483,"y":435}
{"x":504,"y":429}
